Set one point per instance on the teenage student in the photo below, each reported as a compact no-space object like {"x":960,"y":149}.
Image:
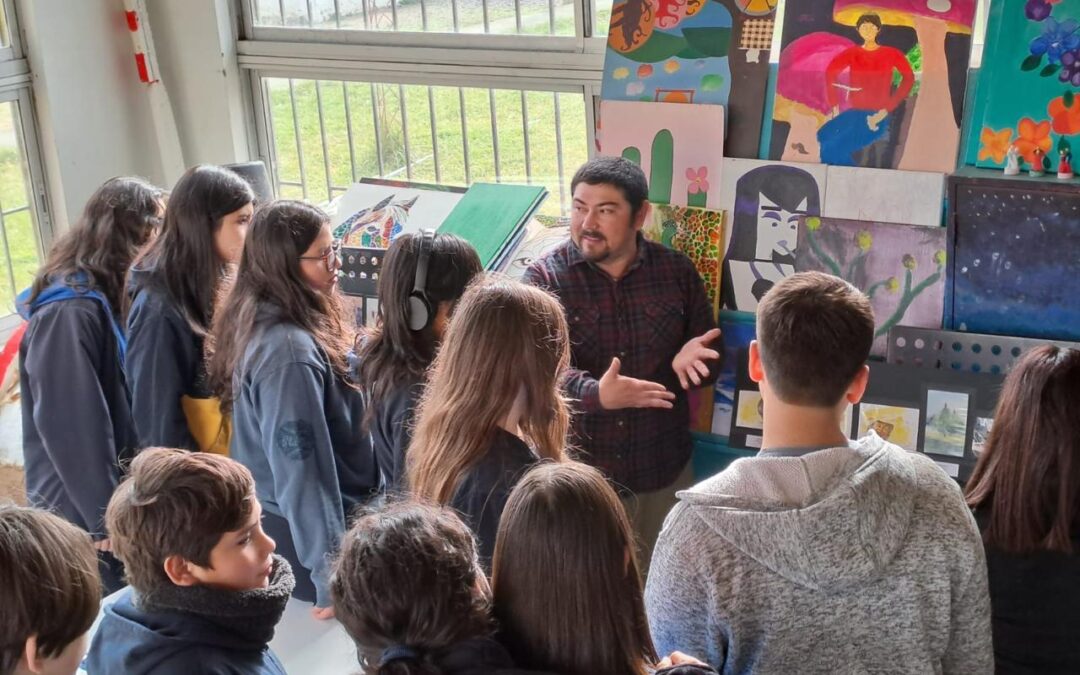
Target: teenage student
{"x":820,"y":555}
{"x":567,"y":589}
{"x":642,"y":331}
{"x":205,"y":589}
{"x":1026,"y":494}
{"x":279,"y":362}
{"x":492,"y":406}
{"x":51,"y":590}
{"x":173,"y":286}
{"x":76,"y":410}
{"x":422,"y":278}
{"x":409,"y":590}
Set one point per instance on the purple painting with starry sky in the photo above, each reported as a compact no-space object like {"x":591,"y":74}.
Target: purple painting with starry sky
{"x":1015,"y":262}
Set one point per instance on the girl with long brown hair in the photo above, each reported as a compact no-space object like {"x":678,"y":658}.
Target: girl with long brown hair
{"x":76,"y":409}
{"x":493,"y":405}
{"x":1025,"y":492}
{"x":278,"y":361}
{"x":173,"y":285}
{"x":567,"y":589}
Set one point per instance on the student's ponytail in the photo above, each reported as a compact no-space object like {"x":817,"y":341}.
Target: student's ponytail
{"x":402,"y":660}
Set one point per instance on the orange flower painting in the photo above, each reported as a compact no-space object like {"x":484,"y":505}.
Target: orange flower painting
{"x":1066,"y":119}
{"x":995,"y":144}
{"x":1033,"y":135}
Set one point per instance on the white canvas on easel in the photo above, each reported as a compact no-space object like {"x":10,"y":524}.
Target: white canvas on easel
{"x":884,"y":195}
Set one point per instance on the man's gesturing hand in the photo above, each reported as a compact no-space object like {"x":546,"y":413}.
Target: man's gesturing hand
{"x":617,"y":391}
{"x":689,"y":364}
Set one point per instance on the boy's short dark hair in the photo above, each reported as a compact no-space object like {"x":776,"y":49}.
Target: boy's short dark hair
{"x":868,"y":18}
{"x":814,"y":333}
{"x":175,"y":502}
{"x":622,"y":173}
{"x":49,"y":583}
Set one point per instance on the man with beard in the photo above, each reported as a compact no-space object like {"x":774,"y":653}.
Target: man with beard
{"x":641,"y":331}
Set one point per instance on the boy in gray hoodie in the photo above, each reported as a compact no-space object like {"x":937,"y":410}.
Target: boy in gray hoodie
{"x":820,"y":555}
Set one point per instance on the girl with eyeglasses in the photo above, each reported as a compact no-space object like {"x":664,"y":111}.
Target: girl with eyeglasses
{"x":173,"y":285}
{"x":278,"y":361}
{"x":76,"y":410}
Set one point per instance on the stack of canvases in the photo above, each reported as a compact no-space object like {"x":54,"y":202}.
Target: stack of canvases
{"x":862,"y":122}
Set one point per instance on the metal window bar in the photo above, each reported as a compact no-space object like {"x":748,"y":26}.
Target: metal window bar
{"x":348,"y":129}
{"x":378,"y":129}
{"x":405,"y":131}
{"x":337,"y":13}
{"x":494,"y":135}
{"x":310,"y":15}
{"x":551,"y":17}
{"x":454,"y":14}
{"x":434,"y":135}
{"x":517,"y":14}
{"x":487,"y":21}
{"x":296,"y":130}
{"x":364,"y":10}
{"x":525,"y":139}
{"x":464,"y":134}
{"x":559,"y":152}
{"x":423,"y":14}
{"x":281,"y":6}
{"x":393,"y":12}
{"x":322,"y":135}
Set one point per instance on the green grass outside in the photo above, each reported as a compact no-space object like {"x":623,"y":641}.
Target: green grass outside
{"x":542,"y":142}
{"x":18,"y":227}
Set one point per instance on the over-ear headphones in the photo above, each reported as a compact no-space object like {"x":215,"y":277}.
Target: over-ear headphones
{"x":419,"y":304}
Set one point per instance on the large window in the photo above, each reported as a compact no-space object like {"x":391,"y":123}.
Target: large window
{"x":438,"y":91}
{"x":24,"y":224}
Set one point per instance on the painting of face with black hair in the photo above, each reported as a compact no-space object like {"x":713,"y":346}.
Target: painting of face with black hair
{"x":764,"y":201}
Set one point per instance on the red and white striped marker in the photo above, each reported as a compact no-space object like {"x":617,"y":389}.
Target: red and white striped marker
{"x":135,"y":11}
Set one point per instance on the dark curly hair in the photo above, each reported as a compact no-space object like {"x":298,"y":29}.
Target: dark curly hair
{"x":408,"y":575}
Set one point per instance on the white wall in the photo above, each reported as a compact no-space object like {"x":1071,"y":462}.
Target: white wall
{"x":93,"y":112}
{"x":195,"y":41}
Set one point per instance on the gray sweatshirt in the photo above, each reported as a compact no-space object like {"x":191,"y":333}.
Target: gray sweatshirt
{"x":846,"y":560}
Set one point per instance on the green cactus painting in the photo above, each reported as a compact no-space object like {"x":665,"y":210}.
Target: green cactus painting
{"x":900,"y":268}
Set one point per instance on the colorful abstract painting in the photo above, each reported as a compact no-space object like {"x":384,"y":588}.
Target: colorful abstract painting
{"x":372,"y":215}
{"x":1029,"y":90}
{"x":1014,"y":256}
{"x":873,"y":83}
{"x":763,"y":201}
{"x":901,"y":268}
{"x":678,"y":145}
{"x":694,"y":51}
{"x":738,"y":330}
{"x":886,"y":195}
{"x":698,"y":233}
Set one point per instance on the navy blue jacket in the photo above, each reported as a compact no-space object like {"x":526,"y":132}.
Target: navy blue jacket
{"x":164,"y":363}
{"x":76,"y":415}
{"x":391,"y":431}
{"x":482,"y":493}
{"x":137,"y":641}
{"x":297,"y":426}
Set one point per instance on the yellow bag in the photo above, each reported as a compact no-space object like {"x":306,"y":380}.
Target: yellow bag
{"x":211,"y":430}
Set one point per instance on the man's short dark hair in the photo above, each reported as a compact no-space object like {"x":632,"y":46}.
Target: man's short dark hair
{"x":175,"y":502}
{"x":49,"y":583}
{"x":868,"y":18}
{"x":617,"y":171}
{"x":814,"y":333}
